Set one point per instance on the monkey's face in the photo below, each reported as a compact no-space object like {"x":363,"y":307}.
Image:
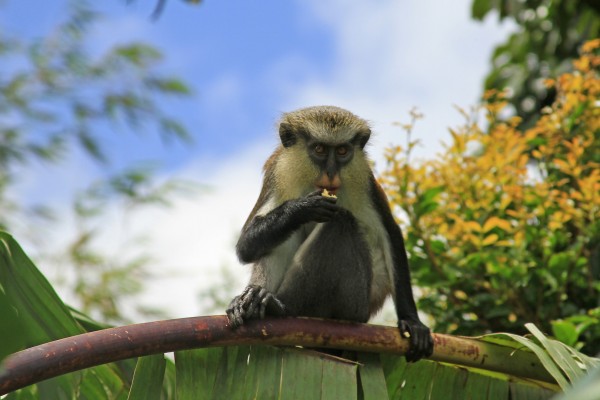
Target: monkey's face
{"x":329,"y":159}
{"x":322,"y":149}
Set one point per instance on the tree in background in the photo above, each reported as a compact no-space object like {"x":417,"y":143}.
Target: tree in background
{"x":547,"y":40}
{"x":503,"y":227}
{"x":56,"y":99}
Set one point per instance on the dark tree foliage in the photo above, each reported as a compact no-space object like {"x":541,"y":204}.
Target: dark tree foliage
{"x":548,"y":37}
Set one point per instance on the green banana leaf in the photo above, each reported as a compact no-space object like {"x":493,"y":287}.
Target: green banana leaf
{"x":32,"y":314}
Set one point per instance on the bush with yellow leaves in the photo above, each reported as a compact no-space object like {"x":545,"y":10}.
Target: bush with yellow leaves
{"x":503,"y":227}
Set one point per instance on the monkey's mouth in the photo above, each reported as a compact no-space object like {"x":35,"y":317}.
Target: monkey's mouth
{"x":332,"y":190}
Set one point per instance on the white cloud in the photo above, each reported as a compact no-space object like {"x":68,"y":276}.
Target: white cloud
{"x":391,"y":56}
{"x":195,"y":238}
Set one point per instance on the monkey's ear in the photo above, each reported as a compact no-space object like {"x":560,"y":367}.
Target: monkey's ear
{"x":362,"y":138}
{"x":287,"y":135}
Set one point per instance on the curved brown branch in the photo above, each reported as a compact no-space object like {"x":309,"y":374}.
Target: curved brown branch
{"x":87,"y":350}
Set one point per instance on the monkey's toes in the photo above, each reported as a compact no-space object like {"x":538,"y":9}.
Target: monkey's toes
{"x":234,"y":316}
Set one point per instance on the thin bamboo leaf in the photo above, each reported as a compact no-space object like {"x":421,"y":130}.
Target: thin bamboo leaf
{"x":148,"y":378}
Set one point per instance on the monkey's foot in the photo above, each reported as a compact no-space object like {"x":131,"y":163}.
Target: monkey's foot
{"x":419,"y":336}
{"x":252,"y":304}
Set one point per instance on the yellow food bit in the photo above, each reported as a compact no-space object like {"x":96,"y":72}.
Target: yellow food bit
{"x":327,"y":194}
{"x":406,"y":334}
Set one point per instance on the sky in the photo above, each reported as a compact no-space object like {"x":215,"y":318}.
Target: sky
{"x":247,"y":62}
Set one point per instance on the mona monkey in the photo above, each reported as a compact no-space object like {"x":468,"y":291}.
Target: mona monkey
{"x":321,"y":237}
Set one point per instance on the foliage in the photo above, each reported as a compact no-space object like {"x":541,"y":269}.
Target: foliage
{"x":37,"y":315}
{"x":547,"y":39}
{"x":58,"y":98}
{"x":503,"y":227}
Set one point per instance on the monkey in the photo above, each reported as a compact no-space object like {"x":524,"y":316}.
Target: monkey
{"x":336,"y":256}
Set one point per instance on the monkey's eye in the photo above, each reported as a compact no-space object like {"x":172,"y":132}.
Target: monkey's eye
{"x":341,"y":151}
{"x":319,"y":149}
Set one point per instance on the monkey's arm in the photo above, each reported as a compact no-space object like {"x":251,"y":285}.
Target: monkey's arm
{"x":421,"y":342}
{"x":263,"y":233}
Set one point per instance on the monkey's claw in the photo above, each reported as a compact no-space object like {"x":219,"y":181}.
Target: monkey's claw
{"x":421,"y":341}
{"x":252,"y":304}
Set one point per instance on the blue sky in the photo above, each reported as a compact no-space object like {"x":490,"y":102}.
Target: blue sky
{"x":226,"y":51}
{"x":247,"y":62}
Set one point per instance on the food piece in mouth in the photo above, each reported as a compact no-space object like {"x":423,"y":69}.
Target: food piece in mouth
{"x":327,"y":194}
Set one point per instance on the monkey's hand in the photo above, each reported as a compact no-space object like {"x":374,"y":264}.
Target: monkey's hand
{"x":252,"y":304}
{"x":421,"y":341}
{"x":313,"y":208}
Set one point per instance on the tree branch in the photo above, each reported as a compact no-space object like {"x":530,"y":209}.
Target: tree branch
{"x":90,"y":349}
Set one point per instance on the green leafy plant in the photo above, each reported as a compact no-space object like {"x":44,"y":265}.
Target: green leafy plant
{"x":546,"y":40}
{"x":503,"y":226}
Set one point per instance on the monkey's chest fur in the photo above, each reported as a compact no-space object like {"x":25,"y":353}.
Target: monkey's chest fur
{"x":339,"y":269}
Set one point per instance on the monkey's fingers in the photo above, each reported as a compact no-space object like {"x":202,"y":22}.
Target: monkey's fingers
{"x":247,"y":290}
{"x":325,"y":211}
{"x":421,"y":342}
{"x":236,"y":318}
{"x":264,"y":303}
{"x":317,"y":198}
{"x":247,"y":296}
{"x":406,"y":332}
{"x":253,"y":309}
{"x":237,"y":309}
{"x":234,"y":312}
